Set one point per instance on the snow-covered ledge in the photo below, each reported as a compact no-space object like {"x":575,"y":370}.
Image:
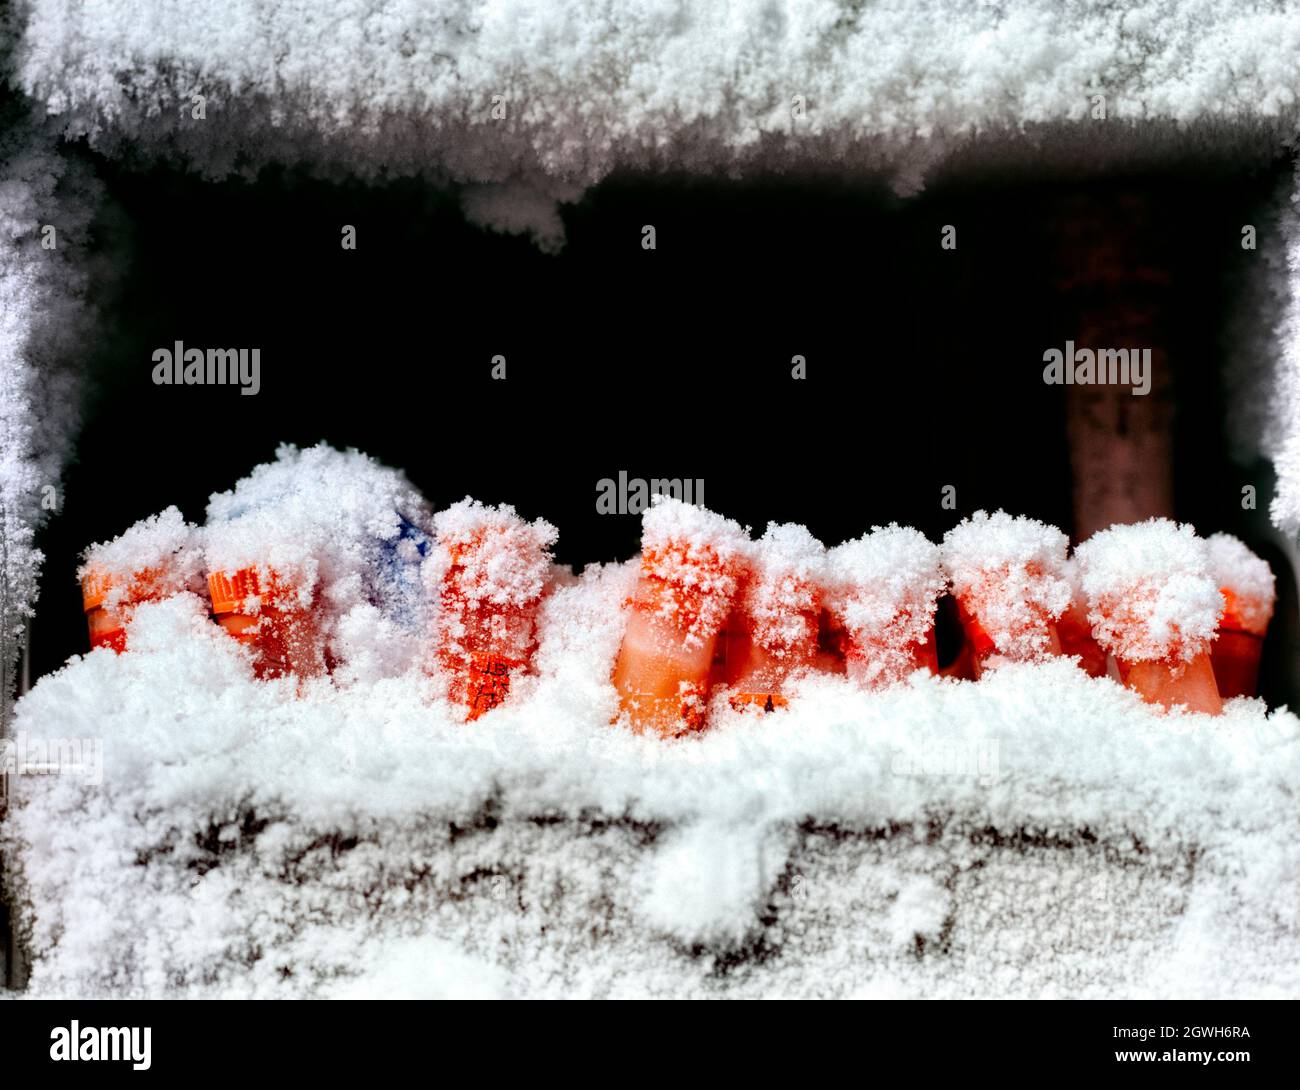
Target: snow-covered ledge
{"x":1038,"y":833}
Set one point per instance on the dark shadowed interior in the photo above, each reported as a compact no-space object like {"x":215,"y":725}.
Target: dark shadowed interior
{"x":924,"y":365}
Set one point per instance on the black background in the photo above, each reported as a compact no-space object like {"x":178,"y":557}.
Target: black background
{"x":352,"y":1041}
{"x":924,"y":365}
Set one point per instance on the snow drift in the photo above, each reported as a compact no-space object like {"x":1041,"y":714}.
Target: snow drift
{"x":1040,"y":832}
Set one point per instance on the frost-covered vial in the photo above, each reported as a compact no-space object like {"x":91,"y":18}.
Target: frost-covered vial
{"x":1155,"y":608}
{"x":272,"y":613}
{"x":773,"y":635}
{"x":883,"y":590}
{"x":1249,"y":593}
{"x":153,"y":560}
{"x":691,"y":561}
{"x":486,"y":574}
{"x":1009,"y":580}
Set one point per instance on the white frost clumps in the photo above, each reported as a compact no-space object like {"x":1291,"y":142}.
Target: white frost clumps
{"x":1009,"y":573}
{"x":163,"y":544}
{"x":319,"y":502}
{"x":423,"y":968}
{"x":512,"y":558}
{"x":1150,"y":591}
{"x":344,"y":530}
{"x":884,"y":588}
{"x":1248,"y":577}
{"x":316,"y":514}
{"x":706,"y":884}
{"x":521,"y":103}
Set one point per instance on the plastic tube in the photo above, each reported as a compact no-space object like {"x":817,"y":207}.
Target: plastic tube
{"x":691,"y":561}
{"x":271,"y":614}
{"x":1155,"y":608}
{"x":781,"y":606}
{"x":1009,"y":581}
{"x":883,"y":590}
{"x":1249,"y":593}
{"x":152,"y":560}
{"x":489,"y":571}
{"x":1075,"y":630}
{"x":109,"y":598}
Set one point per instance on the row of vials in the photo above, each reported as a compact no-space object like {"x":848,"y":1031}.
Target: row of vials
{"x":1177,"y":618}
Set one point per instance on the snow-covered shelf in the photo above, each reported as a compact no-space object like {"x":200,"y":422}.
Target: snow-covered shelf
{"x":1038,"y":832}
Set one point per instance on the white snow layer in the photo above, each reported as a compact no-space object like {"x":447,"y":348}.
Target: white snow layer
{"x":1271,"y":371}
{"x":1038,"y":832}
{"x":525,"y":104}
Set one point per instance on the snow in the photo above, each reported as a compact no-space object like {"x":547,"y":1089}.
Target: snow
{"x":1150,"y":590}
{"x":345,"y":531}
{"x":1009,"y":573}
{"x":163,"y":545}
{"x":1037,"y":832}
{"x":317,"y":505}
{"x":423,"y":967}
{"x":511,"y":558}
{"x":253,"y":840}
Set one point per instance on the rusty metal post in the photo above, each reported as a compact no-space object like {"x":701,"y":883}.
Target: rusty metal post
{"x":1121,"y":445}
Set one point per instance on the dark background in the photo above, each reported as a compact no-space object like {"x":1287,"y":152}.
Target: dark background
{"x":924,"y":365}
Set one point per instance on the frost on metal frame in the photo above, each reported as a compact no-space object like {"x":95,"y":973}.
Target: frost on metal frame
{"x":46,"y":326}
{"x":526,"y":110}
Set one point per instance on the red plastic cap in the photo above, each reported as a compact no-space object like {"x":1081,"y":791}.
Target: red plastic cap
{"x":229,"y":592}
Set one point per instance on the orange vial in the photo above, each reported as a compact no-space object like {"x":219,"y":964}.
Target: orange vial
{"x":883,"y":591}
{"x":691,"y":563}
{"x":1075,"y":630}
{"x":272,"y":615}
{"x":152,"y":560}
{"x":1155,"y":608}
{"x":1008,"y":576}
{"x":109,"y":599}
{"x":780,"y":611}
{"x":1249,"y":593}
{"x":1172,"y":681}
{"x":489,"y":570}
